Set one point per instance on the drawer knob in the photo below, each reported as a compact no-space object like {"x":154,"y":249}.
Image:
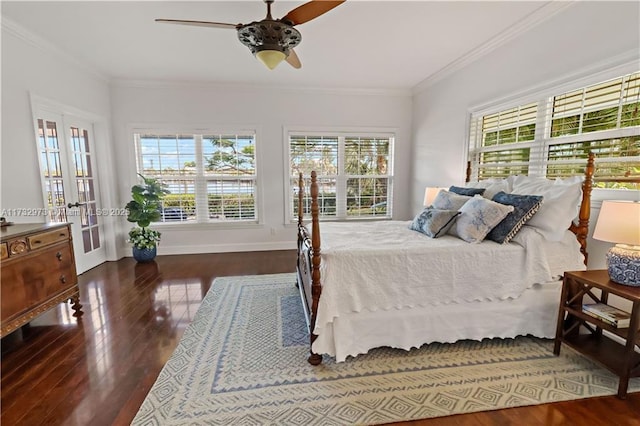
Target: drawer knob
{"x":63,"y":279}
{"x":37,"y":242}
{"x":59,"y":256}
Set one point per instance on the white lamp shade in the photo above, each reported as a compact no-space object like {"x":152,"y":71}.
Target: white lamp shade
{"x":430,"y":194}
{"x":619,"y":222}
{"x":271,"y":58}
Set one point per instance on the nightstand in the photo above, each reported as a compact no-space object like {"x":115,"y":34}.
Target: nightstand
{"x":621,"y":359}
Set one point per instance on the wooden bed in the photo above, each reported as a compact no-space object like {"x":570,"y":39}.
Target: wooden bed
{"x":309,"y":259}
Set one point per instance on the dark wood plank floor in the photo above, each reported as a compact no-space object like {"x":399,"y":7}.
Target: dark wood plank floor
{"x":98,"y":371}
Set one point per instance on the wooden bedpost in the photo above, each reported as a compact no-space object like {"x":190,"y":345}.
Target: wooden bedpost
{"x":316,"y":288}
{"x":300,"y":198}
{"x":581,"y":229}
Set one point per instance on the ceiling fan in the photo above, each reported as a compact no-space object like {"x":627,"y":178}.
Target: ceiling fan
{"x":272,"y":40}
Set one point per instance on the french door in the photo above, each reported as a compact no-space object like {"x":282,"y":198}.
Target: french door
{"x":69,"y":183}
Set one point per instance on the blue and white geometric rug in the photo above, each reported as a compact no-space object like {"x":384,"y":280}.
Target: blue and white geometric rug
{"x":243,"y":360}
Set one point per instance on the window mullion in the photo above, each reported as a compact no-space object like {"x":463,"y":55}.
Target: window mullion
{"x":626,"y":80}
{"x":202,"y":208}
{"x":341,"y":182}
{"x":582,"y":107}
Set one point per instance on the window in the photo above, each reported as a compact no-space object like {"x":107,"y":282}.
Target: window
{"x":354,"y":173}
{"x":552,"y":137}
{"x":212,"y":177}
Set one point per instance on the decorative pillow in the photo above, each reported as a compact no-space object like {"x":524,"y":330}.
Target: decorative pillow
{"x":433,"y":222}
{"x":560,"y":206}
{"x":525,"y":206}
{"x":491,"y":186}
{"x":478,"y":217}
{"x":466,"y":191}
{"x":446,"y":200}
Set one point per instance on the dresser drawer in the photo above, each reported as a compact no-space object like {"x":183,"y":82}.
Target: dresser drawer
{"x":47,"y":238}
{"x":4,"y":252}
{"x":37,"y":280}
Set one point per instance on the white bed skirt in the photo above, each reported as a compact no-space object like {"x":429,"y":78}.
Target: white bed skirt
{"x":535,"y":313}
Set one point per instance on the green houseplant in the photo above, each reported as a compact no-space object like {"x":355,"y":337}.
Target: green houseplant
{"x":143,"y":209}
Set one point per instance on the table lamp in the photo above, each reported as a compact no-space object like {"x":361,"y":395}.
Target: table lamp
{"x":619,"y":222}
{"x":430,"y":194}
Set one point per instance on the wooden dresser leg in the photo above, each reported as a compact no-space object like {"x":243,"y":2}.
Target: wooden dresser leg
{"x":76,"y":306}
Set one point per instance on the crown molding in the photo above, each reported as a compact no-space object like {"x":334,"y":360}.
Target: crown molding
{"x":535,"y":18}
{"x":174,"y":84}
{"x":19,"y":32}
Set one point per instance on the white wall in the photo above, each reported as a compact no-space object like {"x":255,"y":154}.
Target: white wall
{"x":32,"y":67}
{"x":585,"y":38}
{"x":431,"y":128}
{"x":269,"y":112}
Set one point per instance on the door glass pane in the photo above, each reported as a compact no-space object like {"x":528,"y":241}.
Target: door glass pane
{"x":84,"y":178}
{"x":51,"y":170}
{"x":86,"y":240}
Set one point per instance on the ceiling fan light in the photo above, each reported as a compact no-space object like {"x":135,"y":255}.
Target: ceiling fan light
{"x":271,"y":58}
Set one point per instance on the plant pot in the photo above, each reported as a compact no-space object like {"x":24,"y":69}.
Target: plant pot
{"x":144,"y":255}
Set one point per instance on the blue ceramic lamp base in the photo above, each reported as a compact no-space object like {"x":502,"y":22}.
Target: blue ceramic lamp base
{"x":624,"y":264}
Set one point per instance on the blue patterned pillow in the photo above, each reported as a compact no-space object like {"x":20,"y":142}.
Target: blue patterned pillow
{"x":478,"y":217}
{"x":466,"y":191}
{"x":433,"y":222}
{"x":446,"y":200}
{"x":525,"y":206}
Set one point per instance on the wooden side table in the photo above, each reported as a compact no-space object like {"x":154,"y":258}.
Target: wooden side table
{"x":621,"y":359}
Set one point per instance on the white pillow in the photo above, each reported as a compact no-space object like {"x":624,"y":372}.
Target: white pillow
{"x":560,"y":204}
{"x":477,"y":217}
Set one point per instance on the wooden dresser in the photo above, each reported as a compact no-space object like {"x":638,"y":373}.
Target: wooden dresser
{"x":38,"y":272}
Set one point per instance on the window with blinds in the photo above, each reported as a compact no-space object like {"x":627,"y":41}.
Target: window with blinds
{"x":354,"y":174}
{"x":553,"y":136}
{"x":212,"y":177}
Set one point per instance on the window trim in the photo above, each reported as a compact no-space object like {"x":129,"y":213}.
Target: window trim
{"x":543,"y":94}
{"x":202,"y":129}
{"x":340,"y":132}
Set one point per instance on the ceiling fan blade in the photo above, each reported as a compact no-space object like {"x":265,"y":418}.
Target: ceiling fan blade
{"x":293,"y":59}
{"x":311,"y":10}
{"x":199,"y":23}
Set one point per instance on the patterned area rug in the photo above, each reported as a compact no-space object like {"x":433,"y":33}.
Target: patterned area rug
{"x":243,"y":361}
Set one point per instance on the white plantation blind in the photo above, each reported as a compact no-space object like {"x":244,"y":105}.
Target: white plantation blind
{"x":511,"y":126}
{"x":603,"y":106}
{"x":502,"y":141}
{"x":212,"y":177}
{"x":553,"y":136}
{"x":354,"y":174}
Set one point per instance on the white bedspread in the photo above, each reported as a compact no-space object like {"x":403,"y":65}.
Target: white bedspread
{"x":372,"y":266}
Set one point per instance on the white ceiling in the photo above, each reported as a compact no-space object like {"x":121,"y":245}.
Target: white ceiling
{"x":390,"y":45}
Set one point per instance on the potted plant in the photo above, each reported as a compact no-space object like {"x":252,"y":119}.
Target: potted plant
{"x":143,"y":209}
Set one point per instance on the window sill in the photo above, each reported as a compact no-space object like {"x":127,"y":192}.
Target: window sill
{"x":205,"y":225}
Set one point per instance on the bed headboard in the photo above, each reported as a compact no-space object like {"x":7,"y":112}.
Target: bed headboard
{"x":580,"y":229}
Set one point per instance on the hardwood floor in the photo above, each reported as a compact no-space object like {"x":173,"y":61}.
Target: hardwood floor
{"x":98,"y":371}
